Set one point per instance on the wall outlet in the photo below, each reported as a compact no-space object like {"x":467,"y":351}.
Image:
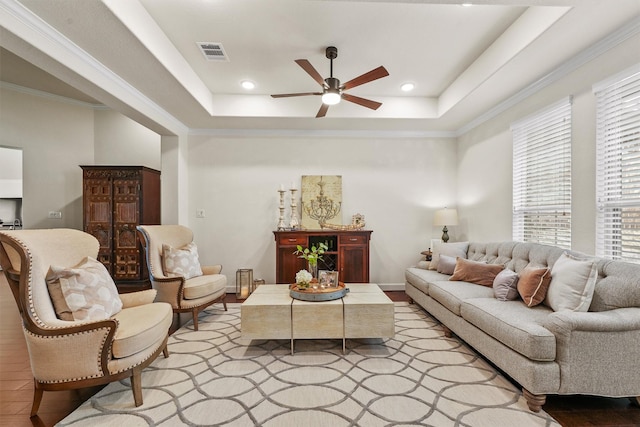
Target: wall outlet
{"x":200,"y":213}
{"x":55,"y":214}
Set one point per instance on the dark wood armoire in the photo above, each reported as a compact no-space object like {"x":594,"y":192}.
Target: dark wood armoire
{"x":115,"y":200}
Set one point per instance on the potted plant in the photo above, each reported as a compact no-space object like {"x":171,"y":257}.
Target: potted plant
{"x":312,"y":255}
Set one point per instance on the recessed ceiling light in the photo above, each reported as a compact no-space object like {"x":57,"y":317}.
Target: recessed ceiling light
{"x":467,"y":4}
{"x":248,"y":84}
{"x":407,"y":87}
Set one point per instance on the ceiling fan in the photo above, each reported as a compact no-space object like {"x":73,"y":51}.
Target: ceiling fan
{"x":332,"y":90}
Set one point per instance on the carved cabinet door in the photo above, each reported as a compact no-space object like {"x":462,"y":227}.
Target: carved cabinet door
{"x":97,"y":216}
{"x":126,"y":215}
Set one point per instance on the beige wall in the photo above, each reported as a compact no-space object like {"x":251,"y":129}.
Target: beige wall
{"x":485,"y":155}
{"x":395,"y":183}
{"x":55,"y":137}
{"x":121,"y":141}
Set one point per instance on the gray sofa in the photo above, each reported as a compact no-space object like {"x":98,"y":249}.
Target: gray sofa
{"x":546,"y":352}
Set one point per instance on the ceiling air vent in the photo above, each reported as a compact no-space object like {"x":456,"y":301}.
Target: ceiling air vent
{"x":213,"y":51}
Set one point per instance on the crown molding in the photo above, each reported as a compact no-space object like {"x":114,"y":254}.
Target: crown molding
{"x":321,"y":133}
{"x":16,"y":18}
{"x":609,"y":42}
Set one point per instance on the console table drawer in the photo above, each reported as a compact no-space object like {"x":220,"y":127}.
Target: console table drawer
{"x":353,"y":240}
{"x":292,"y":240}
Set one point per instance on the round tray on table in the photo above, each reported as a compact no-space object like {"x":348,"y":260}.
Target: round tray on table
{"x":320,"y":294}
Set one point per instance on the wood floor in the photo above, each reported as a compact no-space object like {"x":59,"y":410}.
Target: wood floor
{"x":16,"y":385}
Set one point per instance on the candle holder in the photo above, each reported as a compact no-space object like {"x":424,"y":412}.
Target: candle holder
{"x":281,"y":225}
{"x":244,"y":283}
{"x":293,"y":223}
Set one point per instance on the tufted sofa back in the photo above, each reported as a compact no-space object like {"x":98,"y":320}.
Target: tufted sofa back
{"x":617,"y":286}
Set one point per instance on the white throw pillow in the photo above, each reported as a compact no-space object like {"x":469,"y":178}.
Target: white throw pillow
{"x":455,"y":250}
{"x":181,"y":262}
{"x":573,"y":281}
{"x":83,"y":292}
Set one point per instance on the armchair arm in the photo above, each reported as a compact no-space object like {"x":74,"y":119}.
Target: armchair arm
{"x":598,"y":352}
{"x":170,"y":290}
{"x":135,"y":299}
{"x":69,"y":354}
{"x":211,"y":269}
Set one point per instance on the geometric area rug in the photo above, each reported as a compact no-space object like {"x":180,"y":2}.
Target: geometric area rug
{"x":214,"y":377}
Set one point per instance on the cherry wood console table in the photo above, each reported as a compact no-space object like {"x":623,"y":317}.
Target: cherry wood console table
{"x":348,"y":253}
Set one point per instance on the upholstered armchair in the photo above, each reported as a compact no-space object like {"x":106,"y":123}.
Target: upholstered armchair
{"x":115,"y":338}
{"x":176,"y":273}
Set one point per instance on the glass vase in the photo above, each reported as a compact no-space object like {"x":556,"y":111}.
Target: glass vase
{"x":313,"y":269}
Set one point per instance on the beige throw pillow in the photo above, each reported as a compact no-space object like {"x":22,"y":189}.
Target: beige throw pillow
{"x":533,"y":284}
{"x":455,"y":250}
{"x":573,"y":281}
{"x":181,"y":262}
{"x":83,"y":292}
{"x":476,"y":272}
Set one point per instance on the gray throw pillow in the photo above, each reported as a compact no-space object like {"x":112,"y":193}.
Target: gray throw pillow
{"x":505,"y":285}
{"x":447,"y":264}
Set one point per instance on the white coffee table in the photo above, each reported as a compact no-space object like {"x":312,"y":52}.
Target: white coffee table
{"x":364,"y":312}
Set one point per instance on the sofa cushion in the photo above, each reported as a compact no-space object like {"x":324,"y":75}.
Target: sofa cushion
{"x":446,"y":264}
{"x":457,"y":249}
{"x":514,"y":324}
{"x":201,"y":286}
{"x":422,"y":278}
{"x":451,"y":294}
{"x":134,"y":335}
{"x":85,"y":291}
{"x":505,"y":285}
{"x":572,"y":283}
{"x":533,"y":284}
{"x":182,"y":261}
{"x":618,"y":286}
{"x":476,"y":272}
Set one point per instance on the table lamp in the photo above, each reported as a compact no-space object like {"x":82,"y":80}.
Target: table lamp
{"x":445,"y":217}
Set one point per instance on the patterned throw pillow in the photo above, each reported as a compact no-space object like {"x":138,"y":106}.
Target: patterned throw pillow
{"x":181,"y":262}
{"x":84,"y":292}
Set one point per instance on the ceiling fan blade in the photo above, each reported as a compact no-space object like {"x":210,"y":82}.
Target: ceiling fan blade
{"x":372,"y":75}
{"x":374,"y":105}
{"x":286,"y":95}
{"x":322,"y":111}
{"x":306,"y":65}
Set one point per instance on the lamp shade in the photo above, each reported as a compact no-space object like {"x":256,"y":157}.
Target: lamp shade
{"x":445,"y":217}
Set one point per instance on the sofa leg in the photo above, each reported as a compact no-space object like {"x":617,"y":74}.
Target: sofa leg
{"x":447,"y":332}
{"x":37,"y":398}
{"x":534,"y":401}
{"x":410,"y":300}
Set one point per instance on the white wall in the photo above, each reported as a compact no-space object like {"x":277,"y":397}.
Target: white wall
{"x":121,"y":141}
{"x":55,"y":137}
{"x":395,"y":183}
{"x":485,"y":155}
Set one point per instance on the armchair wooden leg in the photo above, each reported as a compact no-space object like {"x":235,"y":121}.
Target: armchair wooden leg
{"x":195,"y":319}
{"x":136,"y":386}
{"x":37,"y":398}
{"x":224,"y":303}
{"x":165,"y":351}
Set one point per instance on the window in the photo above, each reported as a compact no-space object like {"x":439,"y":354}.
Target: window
{"x":618,"y":166}
{"x":542,"y":176}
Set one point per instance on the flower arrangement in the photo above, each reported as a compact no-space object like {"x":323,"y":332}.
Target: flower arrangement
{"x":303,"y":279}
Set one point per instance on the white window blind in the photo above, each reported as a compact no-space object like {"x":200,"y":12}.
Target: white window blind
{"x":542,"y":176}
{"x":618,"y":167}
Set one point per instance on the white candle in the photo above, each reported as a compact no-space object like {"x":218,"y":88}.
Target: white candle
{"x":281,"y":187}
{"x":293,"y":185}
{"x":244,"y":293}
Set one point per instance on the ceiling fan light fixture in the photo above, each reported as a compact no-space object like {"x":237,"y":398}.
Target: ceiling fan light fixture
{"x":331,"y":97}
